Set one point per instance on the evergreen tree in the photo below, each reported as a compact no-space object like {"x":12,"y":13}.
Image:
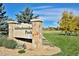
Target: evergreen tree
{"x":25,"y":16}
{"x":2,"y":15}
{"x":3,"y":20}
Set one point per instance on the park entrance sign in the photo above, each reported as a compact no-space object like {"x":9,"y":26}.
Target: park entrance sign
{"x":29,"y":31}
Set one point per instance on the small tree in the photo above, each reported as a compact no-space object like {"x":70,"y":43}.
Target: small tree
{"x":3,"y":20}
{"x":25,"y":16}
{"x":68,"y":23}
{"x":64,"y":25}
{"x":76,"y":22}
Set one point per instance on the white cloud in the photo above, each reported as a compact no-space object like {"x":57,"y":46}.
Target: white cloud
{"x":53,"y":14}
{"x":42,"y":7}
{"x":49,"y":18}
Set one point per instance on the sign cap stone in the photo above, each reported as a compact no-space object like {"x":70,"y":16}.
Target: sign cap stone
{"x":36,"y":20}
{"x":12,"y":22}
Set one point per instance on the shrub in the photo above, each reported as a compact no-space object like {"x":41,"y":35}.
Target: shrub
{"x":2,"y":40}
{"x":10,"y":44}
{"x":7,"y":43}
{"x":21,"y":51}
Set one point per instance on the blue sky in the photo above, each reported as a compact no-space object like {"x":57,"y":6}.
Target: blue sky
{"x":50,"y":13}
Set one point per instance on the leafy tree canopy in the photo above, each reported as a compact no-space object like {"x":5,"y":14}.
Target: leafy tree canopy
{"x":69,"y":23}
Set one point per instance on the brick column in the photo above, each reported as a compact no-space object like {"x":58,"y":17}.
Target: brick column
{"x":36,"y":33}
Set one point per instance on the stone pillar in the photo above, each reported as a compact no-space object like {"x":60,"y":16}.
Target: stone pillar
{"x":11,"y":26}
{"x":36,"y":33}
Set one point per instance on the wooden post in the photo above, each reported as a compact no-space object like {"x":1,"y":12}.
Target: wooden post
{"x":36,"y":33}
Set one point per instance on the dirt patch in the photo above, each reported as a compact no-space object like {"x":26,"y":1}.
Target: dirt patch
{"x":45,"y":51}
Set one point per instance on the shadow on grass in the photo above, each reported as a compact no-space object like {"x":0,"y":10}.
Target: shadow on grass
{"x":68,"y":35}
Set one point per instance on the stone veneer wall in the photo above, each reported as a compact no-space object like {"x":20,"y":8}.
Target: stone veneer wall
{"x":11,"y":28}
{"x":36,"y":33}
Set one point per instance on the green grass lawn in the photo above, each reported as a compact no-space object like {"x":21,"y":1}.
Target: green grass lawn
{"x":69,"y":45}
